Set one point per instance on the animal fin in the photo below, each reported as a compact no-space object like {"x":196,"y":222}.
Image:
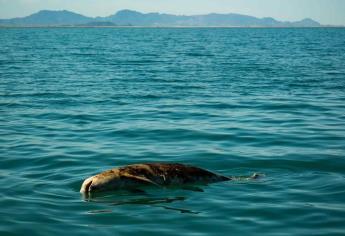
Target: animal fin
{"x":141,"y":179}
{"x":245,"y":178}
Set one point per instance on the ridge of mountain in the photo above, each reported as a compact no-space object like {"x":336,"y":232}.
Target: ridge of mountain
{"x":135,"y":18}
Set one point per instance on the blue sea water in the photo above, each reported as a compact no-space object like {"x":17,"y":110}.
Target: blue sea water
{"x":75,"y":102}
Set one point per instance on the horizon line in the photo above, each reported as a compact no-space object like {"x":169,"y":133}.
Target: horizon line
{"x":177,"y":27}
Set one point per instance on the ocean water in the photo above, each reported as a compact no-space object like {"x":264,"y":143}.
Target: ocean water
{"x":75,"y":102}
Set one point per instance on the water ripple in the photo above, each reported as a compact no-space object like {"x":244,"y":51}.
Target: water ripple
{"x":74,"y":102}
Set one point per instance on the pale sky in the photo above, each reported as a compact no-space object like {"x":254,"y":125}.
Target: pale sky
{"x":324,"y":11}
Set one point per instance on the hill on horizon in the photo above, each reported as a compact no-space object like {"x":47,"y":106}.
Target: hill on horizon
{"x":135,"y":18}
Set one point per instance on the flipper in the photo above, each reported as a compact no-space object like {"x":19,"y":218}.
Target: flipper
{"x":140,"y":179}
{"x":254,"y":176}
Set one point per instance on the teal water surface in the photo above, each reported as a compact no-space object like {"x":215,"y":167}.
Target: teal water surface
{"x":74,"y":102}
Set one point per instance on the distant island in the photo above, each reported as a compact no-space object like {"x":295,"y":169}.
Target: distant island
{"x":46,"y":18}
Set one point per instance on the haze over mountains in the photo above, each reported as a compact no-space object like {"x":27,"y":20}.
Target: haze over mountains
{"x":134,"y":18}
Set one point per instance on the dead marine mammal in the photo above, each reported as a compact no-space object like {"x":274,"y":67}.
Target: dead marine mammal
{"x":154,"y":174}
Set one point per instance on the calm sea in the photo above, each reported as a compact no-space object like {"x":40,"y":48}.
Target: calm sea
{"x":74,"y":102}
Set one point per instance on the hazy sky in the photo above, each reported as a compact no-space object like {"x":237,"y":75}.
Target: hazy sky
{"x":324,"y":11}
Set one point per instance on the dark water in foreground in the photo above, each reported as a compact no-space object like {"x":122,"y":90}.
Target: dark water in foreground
{"x":74,"y":102}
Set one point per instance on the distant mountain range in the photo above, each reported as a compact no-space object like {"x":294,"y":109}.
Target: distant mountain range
{"x":134,"y":18}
